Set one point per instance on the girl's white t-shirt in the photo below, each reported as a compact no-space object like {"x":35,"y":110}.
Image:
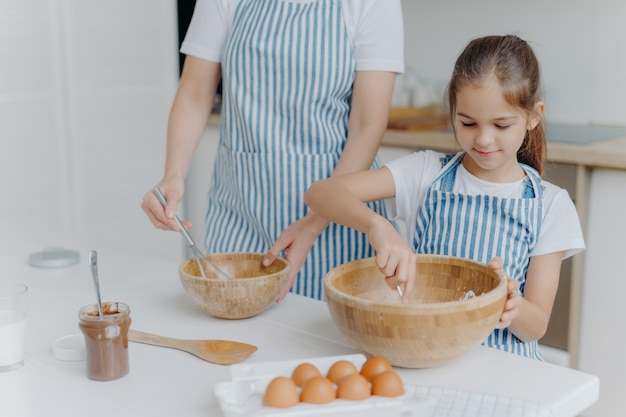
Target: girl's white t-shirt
{"x":375,"y":28}
{"x":414,"y":173}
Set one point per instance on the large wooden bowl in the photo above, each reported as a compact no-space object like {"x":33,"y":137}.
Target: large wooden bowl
{"x":455,"y":305}
{"x":251,"y":289}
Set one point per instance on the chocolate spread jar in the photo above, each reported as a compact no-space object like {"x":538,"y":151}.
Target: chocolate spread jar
{"x":106,"y":340}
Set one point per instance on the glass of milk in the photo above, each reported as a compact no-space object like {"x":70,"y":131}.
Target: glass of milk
{"x":12,"y":325}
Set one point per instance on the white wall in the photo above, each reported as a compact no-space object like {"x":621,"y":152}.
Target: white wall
{"x":581,"y":45}
{"x":85,"y":90}
{"x":197,"y":184}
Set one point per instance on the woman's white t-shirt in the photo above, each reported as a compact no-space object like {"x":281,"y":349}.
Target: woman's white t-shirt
{"x":375,"y":28}
{"x":414,"y":173}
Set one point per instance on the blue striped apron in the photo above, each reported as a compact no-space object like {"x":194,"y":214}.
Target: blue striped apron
{"x":287,"y":71}
{"x":480,"y":227}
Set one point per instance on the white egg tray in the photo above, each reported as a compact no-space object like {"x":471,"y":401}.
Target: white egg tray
{"x":243,"y":395}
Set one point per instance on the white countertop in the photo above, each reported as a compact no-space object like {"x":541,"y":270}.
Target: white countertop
{"x":166,"y":382}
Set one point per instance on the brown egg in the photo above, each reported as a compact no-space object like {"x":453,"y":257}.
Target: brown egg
{"x":353,"y":387}
{"x":374,"y":366}
{"x":304,"y":372}
{"x":340,"y":369}
{"x":318,"y":390}
{"x":387,"y":384}
{"x":281,"y":392}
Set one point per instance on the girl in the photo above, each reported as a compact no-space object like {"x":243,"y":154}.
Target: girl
{"x":485,"y":203}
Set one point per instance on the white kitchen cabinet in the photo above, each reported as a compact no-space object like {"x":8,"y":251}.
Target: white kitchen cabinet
{"x":85,"y":91}
{"x":602,"y":335}
{"x":198,"y":182}
{"x":559,"y":333}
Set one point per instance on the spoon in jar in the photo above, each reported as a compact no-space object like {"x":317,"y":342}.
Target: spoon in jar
{"x":93,"y":261}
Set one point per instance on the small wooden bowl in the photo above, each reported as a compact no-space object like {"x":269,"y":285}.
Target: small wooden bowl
{"x":251,"y":289}
{"x":455,"y":305}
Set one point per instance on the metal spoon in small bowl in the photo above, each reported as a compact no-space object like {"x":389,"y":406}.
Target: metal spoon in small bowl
{"x":190,"y":242}
{"x":93,"y":261}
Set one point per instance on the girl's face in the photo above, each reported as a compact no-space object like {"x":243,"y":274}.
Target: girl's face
{"x":490,"y":131}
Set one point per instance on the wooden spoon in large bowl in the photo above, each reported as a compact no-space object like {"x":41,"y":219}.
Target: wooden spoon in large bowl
{"x":222,"y":352}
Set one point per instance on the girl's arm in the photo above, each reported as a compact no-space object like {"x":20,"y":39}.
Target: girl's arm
{"x":527,"y":317}
{"x":341,"y":200}
{"x":188,"y":118}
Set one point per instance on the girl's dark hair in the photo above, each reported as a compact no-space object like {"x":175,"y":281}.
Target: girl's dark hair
{"x":513,"y":63}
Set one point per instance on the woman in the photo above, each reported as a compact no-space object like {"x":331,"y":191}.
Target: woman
{"x":306,"y":89}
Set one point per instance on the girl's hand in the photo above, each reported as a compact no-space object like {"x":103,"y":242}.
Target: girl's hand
{"x":393,"y":257}
{"x":511,"y":305}
{"x":513,"y":298}
{"x":163,"y":217}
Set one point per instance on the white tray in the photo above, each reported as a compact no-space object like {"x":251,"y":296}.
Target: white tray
{"x":243,"y":395}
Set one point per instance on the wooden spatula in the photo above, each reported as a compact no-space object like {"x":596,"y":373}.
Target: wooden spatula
{"x":223,"y":352}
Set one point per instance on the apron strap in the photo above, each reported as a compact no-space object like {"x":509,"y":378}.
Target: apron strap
{"x":447,"y":175}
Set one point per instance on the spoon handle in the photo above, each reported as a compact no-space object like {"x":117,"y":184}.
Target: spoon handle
{"x":190,"y":242}
{"x":223,"y":352}
{"x":152,"y":339}
{"x":159,"y":195}
{"x":93,"y":261}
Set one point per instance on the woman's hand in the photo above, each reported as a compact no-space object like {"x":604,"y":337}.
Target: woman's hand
{"x":163,"y":217}
{"x":296,"y":240}
{"x":513,"y":299}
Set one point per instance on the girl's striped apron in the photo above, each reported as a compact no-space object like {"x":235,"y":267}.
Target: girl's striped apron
{"x":287,"y":71}
{"x":480,"y":227}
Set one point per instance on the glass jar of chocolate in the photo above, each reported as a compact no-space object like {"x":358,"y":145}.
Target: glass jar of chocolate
{"x":106,"y":340}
